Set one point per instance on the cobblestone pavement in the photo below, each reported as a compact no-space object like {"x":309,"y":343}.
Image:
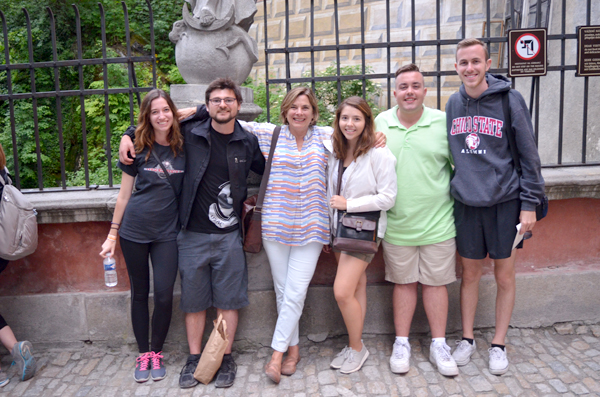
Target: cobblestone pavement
{"x":562,"y":360}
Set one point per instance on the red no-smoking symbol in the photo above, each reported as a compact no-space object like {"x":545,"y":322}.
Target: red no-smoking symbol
{"x":527,"y":46}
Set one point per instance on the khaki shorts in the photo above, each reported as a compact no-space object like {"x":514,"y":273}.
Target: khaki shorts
{"x":433,"y":264}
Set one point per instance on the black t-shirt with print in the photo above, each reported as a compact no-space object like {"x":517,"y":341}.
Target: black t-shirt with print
{"x":152,"y":211}
{"x":212,"y":211}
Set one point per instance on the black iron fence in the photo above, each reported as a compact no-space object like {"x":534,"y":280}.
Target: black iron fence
{"x":515,"y":16}
{"x":10,"y":99}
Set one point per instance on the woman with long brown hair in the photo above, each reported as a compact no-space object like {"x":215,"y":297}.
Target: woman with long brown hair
{"x":147,"y":222}
{"x":368,"y":184}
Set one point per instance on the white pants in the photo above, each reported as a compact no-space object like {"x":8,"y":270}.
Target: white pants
{"x":292,"y":268}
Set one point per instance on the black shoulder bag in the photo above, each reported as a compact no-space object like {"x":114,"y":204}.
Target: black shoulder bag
{"x":541,"y":210}
{"x":356,"y":231}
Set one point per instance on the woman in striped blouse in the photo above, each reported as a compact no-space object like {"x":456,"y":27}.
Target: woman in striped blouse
{"x":295,"y":220}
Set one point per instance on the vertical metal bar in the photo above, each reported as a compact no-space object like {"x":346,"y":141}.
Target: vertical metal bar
{"x":130,"y":66}
{"x":439,"y":54}
{"x":11,"y":105}
{"x":312,"y":44}
{"x":413,"y":35}
{"x":362,"y":49}
{"x":108,"y":148}
{"x":513,"y":19}
{"x":82,"y":97}
{"x":389,"y":54}
{"x":337,"y":49}
{"x":488,"y":25}
{"x":267,"y":96}
{"x":152,"y":48}
{"x":538,"y":14}
{"x":59,"y":124}
{"x":463,"y":26}
{"x":34,"y":104}
{"x":586,"y":84}
{"x":288,"y":73}
{"x":561,"y":97}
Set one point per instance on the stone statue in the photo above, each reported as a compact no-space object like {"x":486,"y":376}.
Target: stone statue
{"x":212,"y":40}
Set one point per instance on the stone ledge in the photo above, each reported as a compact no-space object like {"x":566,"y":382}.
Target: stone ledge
{"x":97,"y":205}
{"x":543,"y":299}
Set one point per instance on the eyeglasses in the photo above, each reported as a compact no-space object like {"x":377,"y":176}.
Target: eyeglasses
{"x":217,"y":101}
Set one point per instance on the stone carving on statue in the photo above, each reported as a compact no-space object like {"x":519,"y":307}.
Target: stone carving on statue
{"x":212,"y":40}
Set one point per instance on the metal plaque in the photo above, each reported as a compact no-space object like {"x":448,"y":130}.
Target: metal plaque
{"x":588,"y":51}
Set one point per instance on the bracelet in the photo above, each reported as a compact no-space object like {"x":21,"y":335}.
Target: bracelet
{"x":111,"y":237}
{"x":115,"y":223}
{"x":114,"y":228}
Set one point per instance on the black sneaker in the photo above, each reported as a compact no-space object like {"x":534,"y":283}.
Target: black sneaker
{"x":186,"y":377}
{"x":226,"y":373}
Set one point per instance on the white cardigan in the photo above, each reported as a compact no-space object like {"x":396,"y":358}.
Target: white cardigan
{"x":368,"y":184}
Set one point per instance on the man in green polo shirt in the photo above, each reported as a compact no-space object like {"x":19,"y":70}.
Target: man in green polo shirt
{"x":419,"y":244}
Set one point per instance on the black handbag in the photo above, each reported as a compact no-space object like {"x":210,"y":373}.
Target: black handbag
{"x":356,"y":231}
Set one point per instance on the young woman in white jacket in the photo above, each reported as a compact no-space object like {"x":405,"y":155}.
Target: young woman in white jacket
{"x":368,"y":184}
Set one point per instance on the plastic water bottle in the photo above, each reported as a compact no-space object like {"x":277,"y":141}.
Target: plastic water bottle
{"x":110,"y":271}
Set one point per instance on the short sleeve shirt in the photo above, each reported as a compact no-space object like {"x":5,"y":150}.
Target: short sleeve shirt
{"x":152,"y":211}
{"x":423,"y":212}
{"x":212,"y":211}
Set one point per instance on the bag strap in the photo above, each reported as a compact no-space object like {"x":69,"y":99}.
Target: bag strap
{"x":510,"y":134}
{"x":339,"y":178}
{"x":265,"y":178}
{"x":165,"y":171}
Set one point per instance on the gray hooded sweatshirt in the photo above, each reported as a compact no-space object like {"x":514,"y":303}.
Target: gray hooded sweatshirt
{"x":485,"y":174}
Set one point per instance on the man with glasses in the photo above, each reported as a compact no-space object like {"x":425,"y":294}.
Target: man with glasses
{"x":219,"y":155}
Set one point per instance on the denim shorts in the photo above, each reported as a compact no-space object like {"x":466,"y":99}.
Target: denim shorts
{"x":213,"y":271}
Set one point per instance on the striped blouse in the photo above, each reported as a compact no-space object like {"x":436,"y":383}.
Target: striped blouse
{"x":295,"y":208}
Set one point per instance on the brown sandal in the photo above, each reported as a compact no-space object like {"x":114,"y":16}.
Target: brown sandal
{"x":289,"y":365}
{"x":273,"y":372}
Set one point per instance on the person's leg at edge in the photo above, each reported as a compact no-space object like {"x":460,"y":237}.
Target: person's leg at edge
{"x":469,"y":294}
{"x":7,"y":337}
{"x":504,"y":273}
{"x":435,"y":301}
{"x":345,"y":288}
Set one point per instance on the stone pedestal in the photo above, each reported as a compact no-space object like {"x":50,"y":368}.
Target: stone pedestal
{"x":189,"y":95}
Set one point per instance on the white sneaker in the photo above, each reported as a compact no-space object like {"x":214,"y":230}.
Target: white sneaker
{"x":400,"y":358}
{"x":498,"y":361}
{"x":439,"y":355}
{"x":463,"y":352}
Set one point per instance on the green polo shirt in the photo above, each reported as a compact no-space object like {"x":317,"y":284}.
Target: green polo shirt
{"x":423,"y":213}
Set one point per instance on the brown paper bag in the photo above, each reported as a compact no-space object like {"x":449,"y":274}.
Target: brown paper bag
{"x":213,"y":353}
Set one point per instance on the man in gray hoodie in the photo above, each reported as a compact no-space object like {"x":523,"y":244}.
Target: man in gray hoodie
{"x":491,"y":197}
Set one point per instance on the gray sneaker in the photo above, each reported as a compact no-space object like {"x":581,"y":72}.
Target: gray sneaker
{"x":339,"y":358}
{"x":463,"y":352}
{"x":23,"y":358}
{"x":355,"y":360}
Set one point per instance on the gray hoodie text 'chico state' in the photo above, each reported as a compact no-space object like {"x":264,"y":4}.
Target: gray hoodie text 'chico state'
{"x":485,"y":174}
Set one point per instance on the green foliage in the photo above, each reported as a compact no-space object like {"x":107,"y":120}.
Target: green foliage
{"x":165,"y":13}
